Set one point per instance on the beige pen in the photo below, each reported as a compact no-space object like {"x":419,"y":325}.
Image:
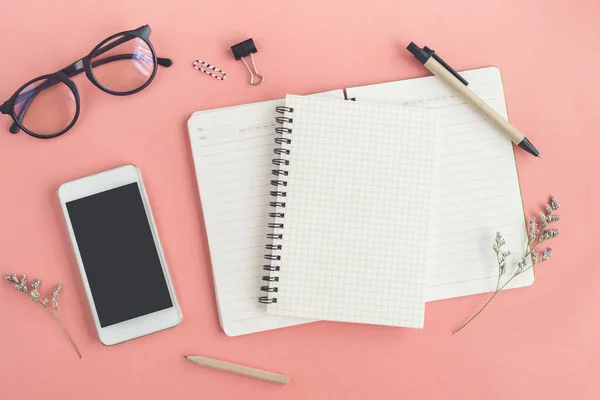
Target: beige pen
{"x":458,"y":84}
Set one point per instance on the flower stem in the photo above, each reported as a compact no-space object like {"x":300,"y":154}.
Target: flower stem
{"x":478,"y":312}
{"x":70,"y":338}
{"x":57,"y":318}
{"x":488,"y":302}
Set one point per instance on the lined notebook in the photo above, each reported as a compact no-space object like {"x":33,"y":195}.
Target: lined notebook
{"x":350,"y":212}
{"x":476,"y":187}
{"x":232,"y":149}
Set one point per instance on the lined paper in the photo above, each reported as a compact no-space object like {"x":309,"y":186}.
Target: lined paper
{"x":356,"y":216}
{"x":232,"y":149}
{"x":476,"y":187}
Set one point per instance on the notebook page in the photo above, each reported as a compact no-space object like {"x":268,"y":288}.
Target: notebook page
{"x":356,"y":215}
{"x":476,"y":187}
{"x":232,"y":149}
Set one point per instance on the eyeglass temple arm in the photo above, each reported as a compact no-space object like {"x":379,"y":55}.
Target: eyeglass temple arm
{"x":72,"y":70}
{"x":77,"y":67}
{"x":165,"y":62}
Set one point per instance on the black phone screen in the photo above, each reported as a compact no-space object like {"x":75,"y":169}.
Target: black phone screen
{"x":119,"y":255}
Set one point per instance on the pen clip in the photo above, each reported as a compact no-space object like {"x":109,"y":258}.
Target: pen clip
{"x":445,"y":65}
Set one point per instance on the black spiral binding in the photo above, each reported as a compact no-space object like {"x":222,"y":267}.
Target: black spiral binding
{"x":279,"y":204}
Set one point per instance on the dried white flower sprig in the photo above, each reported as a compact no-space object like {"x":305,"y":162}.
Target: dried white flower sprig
{"x":21,"y":286}
{"x":539,"y":232}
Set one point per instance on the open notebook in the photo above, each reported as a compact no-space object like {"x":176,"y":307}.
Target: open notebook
{"x":475,"y":192}
{"x":350,"y":212}
{"x":232,"y":149}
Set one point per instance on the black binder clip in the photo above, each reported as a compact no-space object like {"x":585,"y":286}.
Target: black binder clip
{"x":245,"y":49}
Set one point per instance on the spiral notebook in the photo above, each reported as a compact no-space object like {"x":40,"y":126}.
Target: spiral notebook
{"x":350,"y":212}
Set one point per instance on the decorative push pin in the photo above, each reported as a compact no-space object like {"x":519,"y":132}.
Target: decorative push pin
{"x":245,"y":49}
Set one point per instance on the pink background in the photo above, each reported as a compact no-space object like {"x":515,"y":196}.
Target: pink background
{"x":539,"y":342}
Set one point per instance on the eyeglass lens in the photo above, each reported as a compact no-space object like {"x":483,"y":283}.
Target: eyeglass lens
{"x":46,"y":106}
{"x":124,"y":64}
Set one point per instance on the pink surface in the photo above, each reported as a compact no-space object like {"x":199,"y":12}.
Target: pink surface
{"x":539,"y":342}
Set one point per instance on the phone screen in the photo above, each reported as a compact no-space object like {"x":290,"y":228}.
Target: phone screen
{"x":119,"y":255}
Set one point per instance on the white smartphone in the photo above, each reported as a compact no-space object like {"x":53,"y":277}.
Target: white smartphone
{"x":120,"y":258}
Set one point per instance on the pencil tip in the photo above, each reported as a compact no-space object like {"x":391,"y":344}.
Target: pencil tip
{"x":186,"y":357}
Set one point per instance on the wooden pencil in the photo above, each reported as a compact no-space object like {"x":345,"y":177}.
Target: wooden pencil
{"x":239,"y":369}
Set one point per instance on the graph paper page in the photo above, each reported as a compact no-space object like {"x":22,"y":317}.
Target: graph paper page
{"x":357,"y":212}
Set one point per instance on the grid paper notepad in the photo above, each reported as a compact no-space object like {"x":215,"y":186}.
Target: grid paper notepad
{"x":356,"y":217}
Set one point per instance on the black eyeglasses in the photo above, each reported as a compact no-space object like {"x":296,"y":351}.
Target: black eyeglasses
{"x":48,"y":106}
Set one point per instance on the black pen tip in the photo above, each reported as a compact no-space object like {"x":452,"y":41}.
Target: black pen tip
{"x":528,"y":147}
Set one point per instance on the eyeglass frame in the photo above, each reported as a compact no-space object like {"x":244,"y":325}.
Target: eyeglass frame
{"x":82,"y":65}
